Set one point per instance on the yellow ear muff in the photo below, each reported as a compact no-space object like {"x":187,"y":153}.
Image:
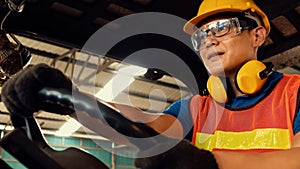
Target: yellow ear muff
{"x":216,"y":89}
{"x":248,"y":78}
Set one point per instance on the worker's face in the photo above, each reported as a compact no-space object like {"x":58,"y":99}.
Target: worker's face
{"x":223,"y":46}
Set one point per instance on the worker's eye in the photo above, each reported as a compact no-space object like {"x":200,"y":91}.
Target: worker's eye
{"x":221,"y":29}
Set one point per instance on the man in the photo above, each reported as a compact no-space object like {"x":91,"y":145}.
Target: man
{"x":246,"y":124}
{"x":227,"y":37}
{"x":250,"y":109}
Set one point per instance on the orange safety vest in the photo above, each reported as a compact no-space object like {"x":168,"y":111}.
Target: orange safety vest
{"x":264,"y":127}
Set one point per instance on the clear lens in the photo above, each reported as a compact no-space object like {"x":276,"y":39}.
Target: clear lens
{"x":215,"y":29}
{"x":196,"y":40}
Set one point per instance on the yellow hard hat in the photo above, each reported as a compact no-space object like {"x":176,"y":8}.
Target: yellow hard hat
{"x":211,"y":7}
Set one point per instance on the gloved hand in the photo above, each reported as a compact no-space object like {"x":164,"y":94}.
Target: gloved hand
{"x":183,"y":155}
{"x":20,"y":93}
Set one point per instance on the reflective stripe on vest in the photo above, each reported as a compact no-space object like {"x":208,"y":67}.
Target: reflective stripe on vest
{"x":266,"y":126}
{"x":256,"y":139}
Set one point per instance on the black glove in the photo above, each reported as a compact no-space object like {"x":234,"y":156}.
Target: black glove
{"x":20,"y":93}
{"x":183,"y":155}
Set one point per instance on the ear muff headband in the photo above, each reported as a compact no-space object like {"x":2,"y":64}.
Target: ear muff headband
{"x":249,"y":79}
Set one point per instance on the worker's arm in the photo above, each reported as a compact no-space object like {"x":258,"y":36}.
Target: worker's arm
{"x":162,"y":123}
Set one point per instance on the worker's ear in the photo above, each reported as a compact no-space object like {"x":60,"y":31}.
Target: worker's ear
{"x":259,"y":36}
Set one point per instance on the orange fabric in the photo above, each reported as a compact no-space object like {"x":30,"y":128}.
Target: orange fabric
{"x":275,"y":111}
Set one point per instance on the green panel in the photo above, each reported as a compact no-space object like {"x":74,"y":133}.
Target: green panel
{"x":103,"y":144}
{"x":11,"y":161}
{"x":124,"y":160}
{"x":126,"y":151}
{"x":88,"y":143}
{"x":72,"y":142}
{"x":54,"y":140}
{"x":102,"y":155}
{"x":5,"y":154}
{"x":125,"y":157}
{"x":15,"y":165}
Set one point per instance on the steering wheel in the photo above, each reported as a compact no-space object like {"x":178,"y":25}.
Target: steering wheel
{"x":28,"y":144}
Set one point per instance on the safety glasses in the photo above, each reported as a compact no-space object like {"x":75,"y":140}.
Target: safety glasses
{"x":221,"y":29}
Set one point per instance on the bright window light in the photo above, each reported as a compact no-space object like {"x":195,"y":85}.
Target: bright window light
{"x":68,"y":128}
{"x":2,"y":127}
{"x":123,"y":78}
